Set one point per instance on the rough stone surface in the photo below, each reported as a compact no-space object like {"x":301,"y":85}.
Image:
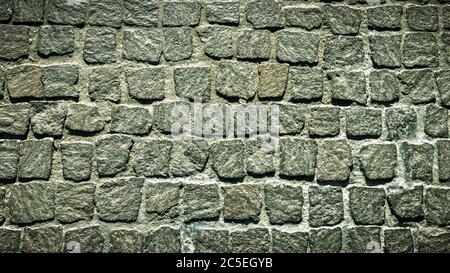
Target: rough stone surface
{"x":112,"y":154}
{"x":100,"y":46}
{"x":43,"y":239}
{"x":326,"y":206}
{"x":126,"y":241}
{"x":367,"y":205}
{"x":406,"y":203}
{"x":15,"y":42}
{"x":418,"y":160}
{"x":227,"y":158}
{"x":237,"y":80}
{"x":298,"y":157}
{"x":420,"y":50}
{"x":211,"y":241}
{"x":273,"y":79}
{"x":307,"y":83}
{"x":364,"y":122}
{"x":9,"y":158}
{"x":297,"y":47}
{"x":433,"y":241}
{"x":193,"y":82}
{"x":77,"y":160}
{"x":242,"y":202}
{"x":130,"y":120}
{"x":386,"y":50}
{"x":142,"y":45}
{"x":436,"y":121}
{"x":189,"y":157}
{"x":362,"y":239}
{"x":162,"y":200}
{"x":308,"y":18}
{"x":222,"y":12}
{"x":89,"y":238}
{"x":253,"y":44}
{"x":348,"y":86}
{"x":118,"y":200}
{"x":443,"y":147}
{"x":384,"y":17}
{"x":252,"y":240}
{"x":178,"y":44}
{"x":14,"y":119}
{"x":24,"y":81}
{"x":48,"y":119}
{"x":201,"y":202}
{"x":74,"y":202}
{"x":181,"y":13}
{"x":67,"y":13}
{"x":84,"y":118}
{"x":133,"y":12}
{"x":56,"y":40}
{"x":146,"y":83}
{"x":418,"y":85}
{"x":264,"y":14}
{"x":325,"y":240}
{"x":437,"y":203}
{"x":163,"y":240}
{"x":217,"y":41}
{"x":398,"y":241}
{"x":378,"y":161}
{"x":342,"y":51}
{"x":324,"y":121}
{"x":105,"y":13}
{"x":289,"y":242}
{"x":384,"y":86}
{"x":36,"y":158}
{"x":284,"y":203}
{"x":10,"y":240}
{"x":32,"y":202}
{"x":151,"y":158}
{"x":422,"y":18}
{"x":104,"y":84}
{"x":334,"y":161}
{"x":342,"y":20}
{"x":401,"y":122}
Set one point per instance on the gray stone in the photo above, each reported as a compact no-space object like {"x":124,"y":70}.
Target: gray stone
{"x":104,"y":84}
{"x":48,"y":239}
{"x":292,"y":119}
{"x":10,"y":240}
{"x":143,"y":45}
{"x":15,"y":42}
{"x":189,"y":157}
{"x":162,"y":200}
{"x":25,"y":82}
{"x":422,"y":18}
{"x":420,"y":50}
{"x":326,"y":206}
{"x":308,"y":18}
{"x":237,"y":80}
{"x":105,"y":13}
{"x":324,"y":121}
{"x":298,"y":47}
{"x":242,"y":202}
{"x":446,"y":16}
{"x":433,"y":241}
{"x":398,"y":240}
{"x":2,"y":84}
{"x":298,"y":157}
{"x":14,"y":119}
{"x":113,"y":152}
{"x":181,"y":13}
{"x":222,"y":12}
{"x":74,"y":202}
{"x":152,"y":157}
{"x":334,"y":161}
{"x":273,"y":79}
{"x":193,"y":82}
{"x":342,"y":19}
{"x":367,"y":205}
{"x":418,"y":85}
{"x":362,"y":240}
{"x":36,"y":158}
{"x":364,"y":122}
{"x":31,"y":202}
{"x":283,"y":203}
{"x":443,"y":147}
{"x":130,"y":120}
{"x":384,"y":17}
{"x":437,"y":203}
{"x":143,"y":13}
{"x":418,"y":160}
{"x":289,"y":242}
{"x":60,"y":81}
{"x":253,"y":44}
{"x":325,"y":240}
{"x":77,"y":160}
{"x":29,"y":11}
{"x":406,"y":203}
{"x":384,"y":86}
{"x":66,"y":12}
{"x":228,"y":159}
{"x":217,"y":41}
{"x":252,"y":240}
{"x":90,"y":239}
{"x":401,"y":122}
{"x":126,"y":241}
{"x":378,"y":161}
{"x":348,"y":86}
{"x":2,"y":205}
{"x":201,"y":202}
{"x":211,"y":241}
{"x":163,"y":240}
{"x":260,"y":156}
{"x":169,"y":115}
{"x":6,"y":11}
{"x":178,"y":44}
{"x":264,"y":14}
{"x":146,"y":83}
{"x":118,"y":200}
{"x":9,"y":158}
{"x":385,"y":50}
{"x":56,"y":40}
{"x":84,"y":118}
{"x":342,"y":51}
{"x":436,"y":121}
{"x":307,"y":83}
{"x":48,"y":119}
{"x":443,"y":84}
{"x":100,"y":45}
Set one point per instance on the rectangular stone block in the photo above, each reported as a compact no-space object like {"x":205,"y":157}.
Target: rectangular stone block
{"x":36,"y":157}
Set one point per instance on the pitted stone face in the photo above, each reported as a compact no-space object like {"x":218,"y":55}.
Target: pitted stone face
{"x":236,"y":126}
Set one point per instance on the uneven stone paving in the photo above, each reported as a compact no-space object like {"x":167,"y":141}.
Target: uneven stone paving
{"x":88,"y":162}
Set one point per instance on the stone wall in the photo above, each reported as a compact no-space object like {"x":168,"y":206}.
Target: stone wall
{"x":88,"y":160}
